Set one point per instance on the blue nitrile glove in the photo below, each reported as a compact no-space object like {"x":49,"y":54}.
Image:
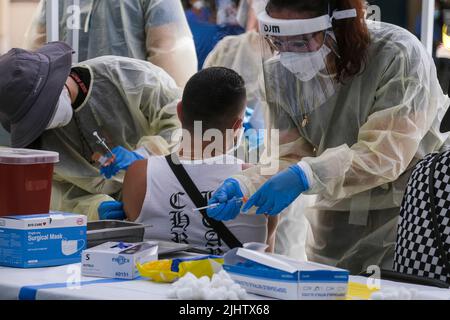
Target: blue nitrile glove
{"x":226,"y":195}
{"x":111,"y":210}
{"x":124,"y":159}
{"x":255,"y":138}
{"x":248,"y":116}
{"x":279,"y":192}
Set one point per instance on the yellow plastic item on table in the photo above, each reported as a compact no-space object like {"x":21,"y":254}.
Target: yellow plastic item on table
{"x":358,"y":291}
{"x":445,"y":37}
{"x":168,"y":271}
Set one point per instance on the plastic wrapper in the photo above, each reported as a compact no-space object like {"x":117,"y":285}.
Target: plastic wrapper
{"x":168,"y":271}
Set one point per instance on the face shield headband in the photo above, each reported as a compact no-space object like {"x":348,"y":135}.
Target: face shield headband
{"x":269,"y":26}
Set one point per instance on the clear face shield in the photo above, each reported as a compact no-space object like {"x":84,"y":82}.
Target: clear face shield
{"x":299,"y":62}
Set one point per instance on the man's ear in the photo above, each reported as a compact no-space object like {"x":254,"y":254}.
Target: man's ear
{"x":180,"y":110}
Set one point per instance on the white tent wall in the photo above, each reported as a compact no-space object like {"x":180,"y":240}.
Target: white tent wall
{"x":4,"y":26}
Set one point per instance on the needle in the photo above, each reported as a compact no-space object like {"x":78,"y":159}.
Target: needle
{"x":212,"y":206}
{"x":215,"y":205}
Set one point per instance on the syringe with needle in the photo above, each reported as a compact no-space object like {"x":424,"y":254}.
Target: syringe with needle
{"x":102,"y":142}
{"x":215,"y":205}
{"x":103,"y":160}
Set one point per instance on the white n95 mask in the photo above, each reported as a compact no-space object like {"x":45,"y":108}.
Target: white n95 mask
{"x":305,"y":66}
{"x":63,"y":111}
{"x":71,"y":247}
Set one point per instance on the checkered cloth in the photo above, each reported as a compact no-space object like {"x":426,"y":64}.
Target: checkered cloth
{"x":416,"y":251}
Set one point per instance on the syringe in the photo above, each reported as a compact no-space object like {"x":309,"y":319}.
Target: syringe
{"x":102,"y":142}
{"x":215,"y":205}
{"x":104,"y":160}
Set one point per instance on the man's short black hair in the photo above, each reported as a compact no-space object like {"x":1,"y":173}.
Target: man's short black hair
{"x":215,"y":96}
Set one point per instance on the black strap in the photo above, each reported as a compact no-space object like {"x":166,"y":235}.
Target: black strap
{"x":434,"y":217}
{"x":199,"y":201}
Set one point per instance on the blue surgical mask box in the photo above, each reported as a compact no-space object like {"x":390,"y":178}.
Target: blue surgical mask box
{"x":44,"y":240}
{"x":283,"y":278}
{"x":117,"y":260}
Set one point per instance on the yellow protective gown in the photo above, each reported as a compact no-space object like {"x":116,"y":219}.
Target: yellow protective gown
{"x":242,"y":54}
{"x":153,"y":30}
{"x":130,"y":103}
{"x":360,"y":146}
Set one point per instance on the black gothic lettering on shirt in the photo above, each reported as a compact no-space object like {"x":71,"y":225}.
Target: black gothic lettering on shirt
{"x":206,"y":224}
{"x":175,"y":201}
{"x":180,"y":237}
{"x":180,"y":223}
{"x":213,"y":241}
{"x":207,"y":195}
{"x":178,"y":219}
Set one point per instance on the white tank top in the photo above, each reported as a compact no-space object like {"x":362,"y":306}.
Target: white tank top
{"x":168,"y":208}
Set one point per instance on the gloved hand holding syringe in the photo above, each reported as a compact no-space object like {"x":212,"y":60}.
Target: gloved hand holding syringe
{"x":114,"y":160}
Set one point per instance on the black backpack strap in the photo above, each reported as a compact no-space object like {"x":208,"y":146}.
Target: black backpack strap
{"x":434,"y":217}
{"x":199,"y":201}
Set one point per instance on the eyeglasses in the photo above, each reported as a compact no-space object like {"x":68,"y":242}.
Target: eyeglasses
{"x":301,"y":43}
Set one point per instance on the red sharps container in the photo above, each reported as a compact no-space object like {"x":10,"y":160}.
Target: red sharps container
{"x":25,"y":181}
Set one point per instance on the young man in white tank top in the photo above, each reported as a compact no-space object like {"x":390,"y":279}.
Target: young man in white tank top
{"x":152,"y":194}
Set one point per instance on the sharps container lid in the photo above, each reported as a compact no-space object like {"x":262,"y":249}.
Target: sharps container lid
{"x":27,"y":156}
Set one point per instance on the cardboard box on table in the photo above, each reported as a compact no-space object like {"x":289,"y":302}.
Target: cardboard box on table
{"x":117,"y":259}
{"x":42,"y":240}
{"x":279,"y":277}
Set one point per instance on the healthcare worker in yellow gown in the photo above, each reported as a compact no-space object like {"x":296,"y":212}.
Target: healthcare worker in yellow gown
{"x":356,"y":105}
{"x":152,"y":30}
{"x":242,"y":53}
{"x":130,"y":103}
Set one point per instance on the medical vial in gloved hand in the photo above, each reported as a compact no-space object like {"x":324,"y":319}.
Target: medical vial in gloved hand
{"x":103,"y":160}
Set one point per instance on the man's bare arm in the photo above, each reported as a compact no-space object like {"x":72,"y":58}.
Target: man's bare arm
{"x":135,"y":189}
